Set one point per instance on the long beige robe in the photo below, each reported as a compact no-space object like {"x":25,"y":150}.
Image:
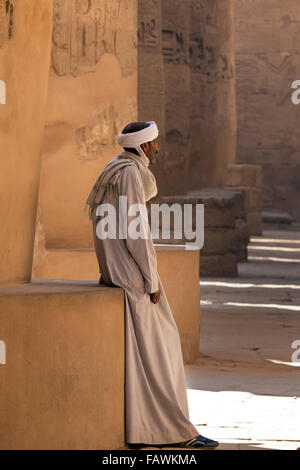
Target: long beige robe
{"x":156,"y":407}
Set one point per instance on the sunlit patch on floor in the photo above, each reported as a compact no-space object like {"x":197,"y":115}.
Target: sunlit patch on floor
{"x":275,"y":361}
{"x":271,"y":258}
{"x":247,"y":285}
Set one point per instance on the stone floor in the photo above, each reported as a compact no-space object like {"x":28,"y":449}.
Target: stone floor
{"x":244,"y":389}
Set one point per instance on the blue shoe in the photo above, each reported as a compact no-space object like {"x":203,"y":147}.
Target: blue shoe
{"x":200,"y":442}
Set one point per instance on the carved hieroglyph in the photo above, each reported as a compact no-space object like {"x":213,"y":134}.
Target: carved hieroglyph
{"x":84,"y":30}
{"x":208,"y":54}
{"x":92,"y":95}
{"x":150,"y":61}
{"x":102,"y":129}
{"x":7,"y":21}
{"x":100,"y":132}
{"x":149,"y":22}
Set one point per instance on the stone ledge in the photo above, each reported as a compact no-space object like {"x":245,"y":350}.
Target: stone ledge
{"x":275,"y":216}
{"x":62,"y":386}
{"x":178,"y":268}
{"x":226,"y":233}
{"x":52,"y":287}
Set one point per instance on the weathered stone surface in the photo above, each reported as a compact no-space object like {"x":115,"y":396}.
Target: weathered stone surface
{"x":225,"y":227}
{"x":178,"y":270}
{"x":267,"y":62}
{"x":229,"y":200}
{"x":215,"y":266}
{"x":276,"y":217}
{"x":254,"y":199}
{"x":221,"y":206}
{"x":63,"y":384}
{"x":39,"y":253}
{"x":222,"y":198}
{"x":92,"y":95}
{"x":7,"y":21}
{"x":213,"y":116}
{"x":242,"y":238}
{"x":248,"y":178}
{"x":217,"y":217}
{"x":151,"y":80}
{"x":175,"y":47}
{"x":85,"y":30}
{"x":244,"y":176}
{"x":25,"y":37}
{"x":281,"y":186}
{"x":219,"y":241}
{"x":254,"y":220}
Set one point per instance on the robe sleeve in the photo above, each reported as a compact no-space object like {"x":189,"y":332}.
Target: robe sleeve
{"x":141,"y":249}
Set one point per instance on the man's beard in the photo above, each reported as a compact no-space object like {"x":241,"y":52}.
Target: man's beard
{"x":154,"y":157}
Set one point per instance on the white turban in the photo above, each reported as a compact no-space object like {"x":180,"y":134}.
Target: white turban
{"x":135,"y":139}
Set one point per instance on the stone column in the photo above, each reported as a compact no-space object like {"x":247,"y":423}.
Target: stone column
{"x":213,"y":110}
{"x":25,"y":37}
{"x":151,"y":85}
{"x":175,"y":35}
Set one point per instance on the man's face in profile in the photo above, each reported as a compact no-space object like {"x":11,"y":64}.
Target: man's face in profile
{"x":151,"y":149}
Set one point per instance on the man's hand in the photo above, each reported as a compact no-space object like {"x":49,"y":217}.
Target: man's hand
{"x":155,"y":296}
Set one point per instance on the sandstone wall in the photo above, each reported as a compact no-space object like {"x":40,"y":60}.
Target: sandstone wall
{"x":267,"y":62}
{"x":25,"y":36}
{"x":92,"y":95}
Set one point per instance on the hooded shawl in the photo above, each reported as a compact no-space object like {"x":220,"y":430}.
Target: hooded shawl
{"x":112,"y":170}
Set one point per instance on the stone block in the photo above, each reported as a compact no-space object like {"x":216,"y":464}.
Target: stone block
{"x":219,"y":241}
{"x":254,"y":200}
{"x":225,"y":225}
{"x":221,"y":206}
{"x":255,"y":223}
{"x":244,"y":176}
{"x":219,"y":266}
{"x":62,"y":386}
{"x":242,"y":237}
{"x":178,"y":269}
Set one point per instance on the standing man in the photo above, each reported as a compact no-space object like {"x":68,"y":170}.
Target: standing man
{"x":156,"y":407}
